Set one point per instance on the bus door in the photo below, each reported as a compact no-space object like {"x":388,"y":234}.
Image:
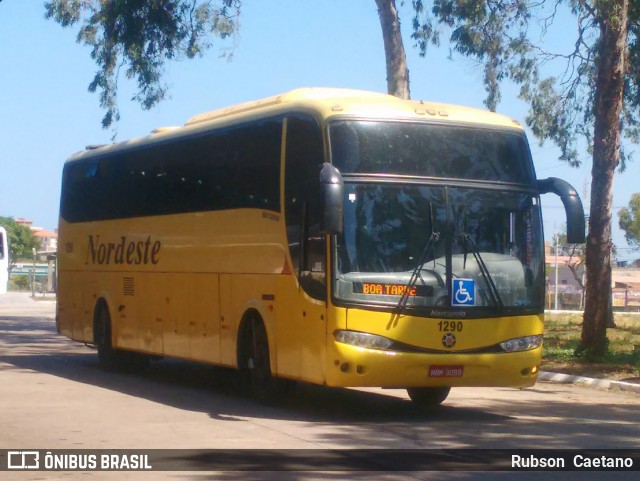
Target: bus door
{"x":302,"y":317}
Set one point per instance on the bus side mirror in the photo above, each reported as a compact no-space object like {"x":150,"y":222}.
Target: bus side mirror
{"x":572,"y":206}
{"x":332,"y":188}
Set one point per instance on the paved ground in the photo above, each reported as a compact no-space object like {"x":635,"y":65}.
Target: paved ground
{"x":54,"y":396}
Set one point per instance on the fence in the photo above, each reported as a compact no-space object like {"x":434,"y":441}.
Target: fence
{"x":572,"y":298}
{"x":626,"y":299}
{"x":23,"y":277}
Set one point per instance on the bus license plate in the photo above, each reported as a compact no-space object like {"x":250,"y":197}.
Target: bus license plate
{"x":446,"y":371}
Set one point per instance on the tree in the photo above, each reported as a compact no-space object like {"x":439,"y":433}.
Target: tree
{"x":597,"y":98}
{"x":395,"y":57}
{"x":629,"y":221}
{"x":21,"y":240}
{"x":140,"y":35}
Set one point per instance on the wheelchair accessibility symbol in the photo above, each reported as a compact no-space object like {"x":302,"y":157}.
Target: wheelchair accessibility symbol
{"x":463,"y":292}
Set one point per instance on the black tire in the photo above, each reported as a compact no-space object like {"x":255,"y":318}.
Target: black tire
{"x":109,"y":358}
{"x":107,"y":355}
{"x":428,"y":396}
{"x":255,"y":363}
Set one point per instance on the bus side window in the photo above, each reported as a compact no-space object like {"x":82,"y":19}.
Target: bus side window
{"x":304,"y":158}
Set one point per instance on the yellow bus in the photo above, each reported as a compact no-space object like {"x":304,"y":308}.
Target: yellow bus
{"x":335,"y":237}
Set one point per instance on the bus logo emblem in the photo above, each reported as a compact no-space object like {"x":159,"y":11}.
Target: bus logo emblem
{"x":463,"y":292}
{"x":448,"y":340}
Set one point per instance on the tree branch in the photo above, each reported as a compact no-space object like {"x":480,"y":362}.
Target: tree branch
{"x":592,"y":11}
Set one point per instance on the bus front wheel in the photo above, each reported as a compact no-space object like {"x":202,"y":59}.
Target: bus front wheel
{"x":428,"y":396}
{"x":254,"y":362}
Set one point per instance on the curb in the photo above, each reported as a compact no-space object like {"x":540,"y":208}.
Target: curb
{"x":603,"y":384}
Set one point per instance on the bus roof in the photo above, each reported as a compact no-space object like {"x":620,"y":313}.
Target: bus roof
{"x":325,"y":103}
{"x":330,"y":101}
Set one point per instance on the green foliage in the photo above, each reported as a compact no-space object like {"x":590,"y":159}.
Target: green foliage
{"x":630,"y":121}
{"x":562,"y":342}
{"x":507,"y":36}
{"x":629,"y":221}
{"x":21,"y":241}
{"x":139,"y":36}
{"x":19,"y":283}
{"x":593,"y":353}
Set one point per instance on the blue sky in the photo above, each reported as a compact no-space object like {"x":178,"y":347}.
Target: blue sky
{"x":46,"y":112}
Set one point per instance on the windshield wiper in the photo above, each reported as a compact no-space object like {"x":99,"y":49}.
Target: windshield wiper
{"x":433,"y":238}
{"x":493,"y":290}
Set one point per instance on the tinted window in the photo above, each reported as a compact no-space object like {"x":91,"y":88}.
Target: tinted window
{"x":235,"y":168}
{"x":304,"y":158}
{"x":430,"y":150}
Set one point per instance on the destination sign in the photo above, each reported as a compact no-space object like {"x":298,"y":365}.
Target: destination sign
{"x":383,"y":289}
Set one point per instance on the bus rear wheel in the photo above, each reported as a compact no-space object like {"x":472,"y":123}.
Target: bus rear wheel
{"x":107,"y":355}
{"x":110,"y":358}
{"x":428,"y":396}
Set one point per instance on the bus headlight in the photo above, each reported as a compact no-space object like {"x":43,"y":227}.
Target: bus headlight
{"x":362,"y":339}
{"x":522,"y":343}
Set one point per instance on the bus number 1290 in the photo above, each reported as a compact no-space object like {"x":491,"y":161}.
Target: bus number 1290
{"x":450,"y":326}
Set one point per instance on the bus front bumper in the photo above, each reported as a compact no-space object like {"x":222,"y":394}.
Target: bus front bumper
{"x":351,"y":366}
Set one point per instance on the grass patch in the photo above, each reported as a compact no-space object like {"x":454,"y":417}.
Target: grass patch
{"x":562,"y":336}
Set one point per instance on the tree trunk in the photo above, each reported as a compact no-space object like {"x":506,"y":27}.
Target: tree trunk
{"x":612,"y":17}
{"x":397,"y":70}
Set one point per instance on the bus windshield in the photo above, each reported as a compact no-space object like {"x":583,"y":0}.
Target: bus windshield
{"x":466,"y":247}
{"x":430,"y":150}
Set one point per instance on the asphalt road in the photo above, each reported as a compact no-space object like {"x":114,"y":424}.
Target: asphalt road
{"x":53,"y":395}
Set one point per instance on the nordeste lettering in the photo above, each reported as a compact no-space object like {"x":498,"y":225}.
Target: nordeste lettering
{"x":123,"y":251}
